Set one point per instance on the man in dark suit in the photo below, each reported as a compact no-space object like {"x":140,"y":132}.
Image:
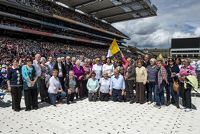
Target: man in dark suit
{"x":68,"y":65}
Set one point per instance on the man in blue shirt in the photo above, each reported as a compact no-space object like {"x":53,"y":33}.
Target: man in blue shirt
{"x":117,"y":86}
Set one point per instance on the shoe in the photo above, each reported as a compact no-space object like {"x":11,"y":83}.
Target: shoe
{"x":131,"y":102}
{"x":157,"y":106}
{"x":178,"y":106}
{"x":188,"y":110}
{"x":68,"y":102}
{"x":27,"y":109}
{"x":168,"y":103}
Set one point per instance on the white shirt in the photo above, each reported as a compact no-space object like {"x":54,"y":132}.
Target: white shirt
{"x":104,"y":85}
{"x":54,"y":85}
{"x":37,"y":68}
{"x":117,"y":82}
{"x":98,"y":70}
{"x":60,"y":74}
{"x":109,"y":69}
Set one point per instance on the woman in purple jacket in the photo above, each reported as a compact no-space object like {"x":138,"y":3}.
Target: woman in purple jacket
{"x":79,"y":73}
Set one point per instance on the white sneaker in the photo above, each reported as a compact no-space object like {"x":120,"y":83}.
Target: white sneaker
{"x":188,"y":110}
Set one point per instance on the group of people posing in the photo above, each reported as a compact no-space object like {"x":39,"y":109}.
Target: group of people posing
{"x":138,"y":80}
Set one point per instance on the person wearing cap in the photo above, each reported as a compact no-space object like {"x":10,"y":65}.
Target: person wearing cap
{"x":92,"y":86}
{"x":97,"y":68}
{"x":172,"y":70}
{"x":15,"y":85}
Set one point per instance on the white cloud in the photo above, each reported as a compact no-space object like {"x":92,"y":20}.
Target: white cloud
{"x":178,"y":19}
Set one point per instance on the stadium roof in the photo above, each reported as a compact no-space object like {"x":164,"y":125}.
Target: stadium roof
{"x":114,"y":10}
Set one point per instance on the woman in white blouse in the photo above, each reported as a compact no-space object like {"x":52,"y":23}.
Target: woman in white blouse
{"x":108,"y":67}
{"x":55,"y":89}
{"x":104,"y":87}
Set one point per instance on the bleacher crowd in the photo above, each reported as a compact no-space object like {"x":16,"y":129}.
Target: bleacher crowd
{"x":50,"y":8}
{"x":61,"y":73}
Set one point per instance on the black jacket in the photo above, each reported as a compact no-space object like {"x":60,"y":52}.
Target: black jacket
{"x":63,"y":68}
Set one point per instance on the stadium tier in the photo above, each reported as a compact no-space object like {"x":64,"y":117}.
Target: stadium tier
{"x":52,"y":19}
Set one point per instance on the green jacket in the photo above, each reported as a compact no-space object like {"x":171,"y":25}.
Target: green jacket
{"x":191,"y":80}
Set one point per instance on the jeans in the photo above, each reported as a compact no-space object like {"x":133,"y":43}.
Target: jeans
{"x":152,"y":86}
{"x":53,"y":97}
{"x":169,"y":88}
{"x":117,"y":95}
{"x":160,"y":95}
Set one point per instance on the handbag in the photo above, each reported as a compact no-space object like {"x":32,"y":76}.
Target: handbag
{"x":175,"y":86}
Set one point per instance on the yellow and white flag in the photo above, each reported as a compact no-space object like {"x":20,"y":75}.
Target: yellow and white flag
{"x":114,"y":48}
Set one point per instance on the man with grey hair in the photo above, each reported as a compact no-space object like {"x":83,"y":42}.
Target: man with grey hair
{"x":68,"y":64}
{"x":130,"y":79}
{"x":36,"y":64}
{"x":117,"y":86}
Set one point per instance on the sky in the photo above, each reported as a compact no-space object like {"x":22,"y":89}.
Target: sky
{"x":175,"y":19}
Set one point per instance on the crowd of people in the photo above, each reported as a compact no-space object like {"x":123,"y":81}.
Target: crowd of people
{"x":72,"y":78}
{"x":49,"y":30}
{"x":51,"y":8}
